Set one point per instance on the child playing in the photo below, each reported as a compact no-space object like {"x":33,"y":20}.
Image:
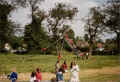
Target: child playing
{"x":57,"y":66}
{"x":59,"y":56}
{"x":38,"y":75}
{"x":64,"y":66}
{"x":13,"y":76}
{"x":33,"y":77}
{"x":59,"y":75}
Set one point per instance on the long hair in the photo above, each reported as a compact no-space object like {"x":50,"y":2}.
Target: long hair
{"x":71,"y":65}
{"x":33,"y":74}
{"x":38,"y":70}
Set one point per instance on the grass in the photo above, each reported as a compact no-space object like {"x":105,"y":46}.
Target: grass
{"x":27,"y":63}
{"x":102,"y":78}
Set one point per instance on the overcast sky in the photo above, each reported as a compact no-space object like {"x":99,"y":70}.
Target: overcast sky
{"x":21,"y":16}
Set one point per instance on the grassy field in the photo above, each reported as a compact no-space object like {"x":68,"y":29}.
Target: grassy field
{"x":27,"y":63}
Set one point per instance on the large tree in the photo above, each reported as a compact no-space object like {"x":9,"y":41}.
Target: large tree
{"x":32,"y":4}
{"x":58,"y":16}
{"x":94,"y":26}
{"x":6,"y":27}
{"x":112,"y":18}
{"x":35,"y":33}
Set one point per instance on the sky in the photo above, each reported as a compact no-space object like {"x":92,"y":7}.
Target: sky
{"x":21,"y":15}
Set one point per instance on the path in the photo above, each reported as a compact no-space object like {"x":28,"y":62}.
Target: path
{"x":83,"y":73}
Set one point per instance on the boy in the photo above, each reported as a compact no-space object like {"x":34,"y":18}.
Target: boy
{"x":13,"y":76}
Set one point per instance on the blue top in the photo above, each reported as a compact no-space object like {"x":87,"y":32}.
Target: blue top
{"x":13,"y":76}
{"x":59,"y":76}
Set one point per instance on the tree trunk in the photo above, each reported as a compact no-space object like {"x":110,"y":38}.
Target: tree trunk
{"x":118,"y":42}
{"x":90,"y":49}
{"x":91,"y":46}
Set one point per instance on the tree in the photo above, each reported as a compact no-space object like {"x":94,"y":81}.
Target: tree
{"x":34,"y":32}
{"x":112,"y":19}
{"x":110,"y":44}
{"x":32,"y":4}
{"x":57,"y":18}
{"x":86,"y":38}
{"x":6,"y":29}
{"x":34,"y":37}
{"x":94,"y":26}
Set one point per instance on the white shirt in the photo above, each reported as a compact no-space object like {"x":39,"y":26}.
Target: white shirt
{"x":32,"y":79}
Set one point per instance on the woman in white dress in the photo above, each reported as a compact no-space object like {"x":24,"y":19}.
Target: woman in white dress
{"x":74,"y":72}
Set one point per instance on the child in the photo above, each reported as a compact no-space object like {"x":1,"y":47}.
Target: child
{"x":64,"y":66}
{"x":33,"y":77}
{"x":59,"y":56}
{"x":13,"y":76}
{"x":38,"y":75}
{"x":59,"y":75}
{"x":57,"y":66}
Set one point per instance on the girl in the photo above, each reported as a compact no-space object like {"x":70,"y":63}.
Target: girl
{"x":64,"y":66}
{"x":33,"y":77}
{"x":74,"y":72}
{"x":38,"y":75}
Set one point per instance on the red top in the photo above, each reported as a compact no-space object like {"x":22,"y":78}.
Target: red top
{"x":43,"y":49}
{"x":59,"y":56}
{"x":38,"y":76}
{"x":64,"y":66}
{"x":81,"y":54}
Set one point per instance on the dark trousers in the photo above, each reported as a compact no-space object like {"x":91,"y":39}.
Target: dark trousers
{"x":14,"y":80}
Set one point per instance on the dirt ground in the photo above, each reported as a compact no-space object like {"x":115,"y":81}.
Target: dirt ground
{"x":82,"y":73}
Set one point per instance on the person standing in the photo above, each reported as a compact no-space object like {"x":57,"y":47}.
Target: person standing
{"x":74,"y":72}
{"x":13,"y":76}
{"x":64,"y":66}
{"x":59,"y":56}
{"x":59,"y":75}
{"x":57,"y":66}
{"x":38,"y":75}
{"x":33,"y":77}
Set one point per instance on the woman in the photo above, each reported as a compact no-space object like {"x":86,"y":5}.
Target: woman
{"x":38,"y":75}
{"x":74,"y":72}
